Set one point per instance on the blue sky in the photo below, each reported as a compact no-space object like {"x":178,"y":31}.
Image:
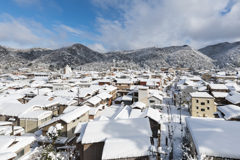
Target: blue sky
{"x":109,"y":25}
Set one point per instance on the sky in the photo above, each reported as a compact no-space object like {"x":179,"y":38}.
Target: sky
{"x":112,"y":25}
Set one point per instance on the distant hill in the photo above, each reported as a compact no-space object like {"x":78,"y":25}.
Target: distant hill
{"x":225,"y":54}
{"x":80,"y":55}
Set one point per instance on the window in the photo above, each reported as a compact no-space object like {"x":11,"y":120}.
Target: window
{"x":202,"y":103}
{"x":19,"y":154}
{"x":197,"y":101}
{"x":208,"y":108}
{"x":207,"y":101}
{"x":202,"y":109}
{"x":197,"y":107}
{"x":151,"y":101}
{"x":73,"y":129}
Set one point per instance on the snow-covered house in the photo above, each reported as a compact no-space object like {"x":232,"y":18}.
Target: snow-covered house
{"x":68,"y":120}
{"x":14,"y":147}
{"x":228,"y":112}
{"x":30,"y":121}
{"x":98,"y":139}
{"x":233,"y":98}
{"x":213,"y":138}
{"x":202,"y":104}
{"x":60,"y":86}
{"x":154,"y":119}
{"x":155,"y":99}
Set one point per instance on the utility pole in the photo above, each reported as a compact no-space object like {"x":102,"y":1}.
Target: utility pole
{"x":180,"y":109}
{"x":78,"y":96}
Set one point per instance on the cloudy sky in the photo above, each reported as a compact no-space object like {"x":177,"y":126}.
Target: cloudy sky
{"x":110,"y":25}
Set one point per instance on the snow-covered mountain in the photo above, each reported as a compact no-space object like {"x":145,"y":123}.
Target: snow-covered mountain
{"x":81,"y":56}
{"x":226,"y":54}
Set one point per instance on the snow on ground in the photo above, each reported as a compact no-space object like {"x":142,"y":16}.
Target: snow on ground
{"x":173,"y":120}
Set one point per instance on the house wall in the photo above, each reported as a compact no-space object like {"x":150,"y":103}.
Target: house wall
{"x":156,"y":101}
{"x":30,"y":125}
{"x":143,"y":96}
{"x":186,"y":91}
{"x":71,"y":126}
{"x":123,"y":87}
{"x":196,"y":112}
{"x":92,"y":151}
{"x":61,"y":109}
{"x":26,"y":149}
{"x":154,"y":127}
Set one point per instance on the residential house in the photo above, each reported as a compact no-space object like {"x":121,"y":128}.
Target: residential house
{"x":202,"y":104}
{"x":14,"y":147}
{"x":99,"y":137}
{"x":68,"y":120}
{"x":213,"y":138}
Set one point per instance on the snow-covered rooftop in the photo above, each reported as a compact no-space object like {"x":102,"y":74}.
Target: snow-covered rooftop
{"x":218,"y":86}
{"x":233,"y":97}
{"x":215,"y":137}
{"x":200,"y":95}
{"x":99,"y":131}
{"x":127,"y":147}
{"x":220,"y":94}
{"x":229,"y":111}
{"x":138,"y":105}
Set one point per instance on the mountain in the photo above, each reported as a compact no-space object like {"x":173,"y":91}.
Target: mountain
{"x":225,"y":54}
{"x":80,"y":56}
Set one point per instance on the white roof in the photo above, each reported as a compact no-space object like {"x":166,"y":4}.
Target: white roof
{"x":109,"y":111}
{"x":116,"y":148}
{"x":127,"y":98}
{"x":135,"y":113}
{"x":156,"y":95}
{"x":200,"y":95}
{"x":229,"y":111}
{"x":70,"y":108}
{"x":122,"y":113}
{"x":233,"y":97}
{"x":81,"y":126}
{"x":215,"y":137}
{"x":151,"y":113}
{"x":3,"y":123}
{"x":68,"y":117}
{"x":94,"y":100}
{"x":218,"y":86}
{"x":99,"y":131}
{"x":124,"y":81}
{"x":6,"y":141}
{"x":36,"y":114}
{"x":104,"y":95}
{"x":93,"y":110}
{"x":138,"y":105}
{"x":220,"y":94}
{"x":101,"y":118}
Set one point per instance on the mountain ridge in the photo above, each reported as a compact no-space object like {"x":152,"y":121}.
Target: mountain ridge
{"x":79,"y":56}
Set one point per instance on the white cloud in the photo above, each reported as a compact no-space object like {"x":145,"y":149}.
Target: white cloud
{"x":146,"y":23}
{"x":25,"y":33}
{"x":97,"y":47}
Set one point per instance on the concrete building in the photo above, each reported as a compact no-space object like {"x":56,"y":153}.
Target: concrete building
{"x":202,"y":105}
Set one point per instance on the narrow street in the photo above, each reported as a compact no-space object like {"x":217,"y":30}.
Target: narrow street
{"x":172,"y":129}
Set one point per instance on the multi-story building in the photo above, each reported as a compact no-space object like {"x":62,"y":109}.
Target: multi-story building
{"x":202,"y":105}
